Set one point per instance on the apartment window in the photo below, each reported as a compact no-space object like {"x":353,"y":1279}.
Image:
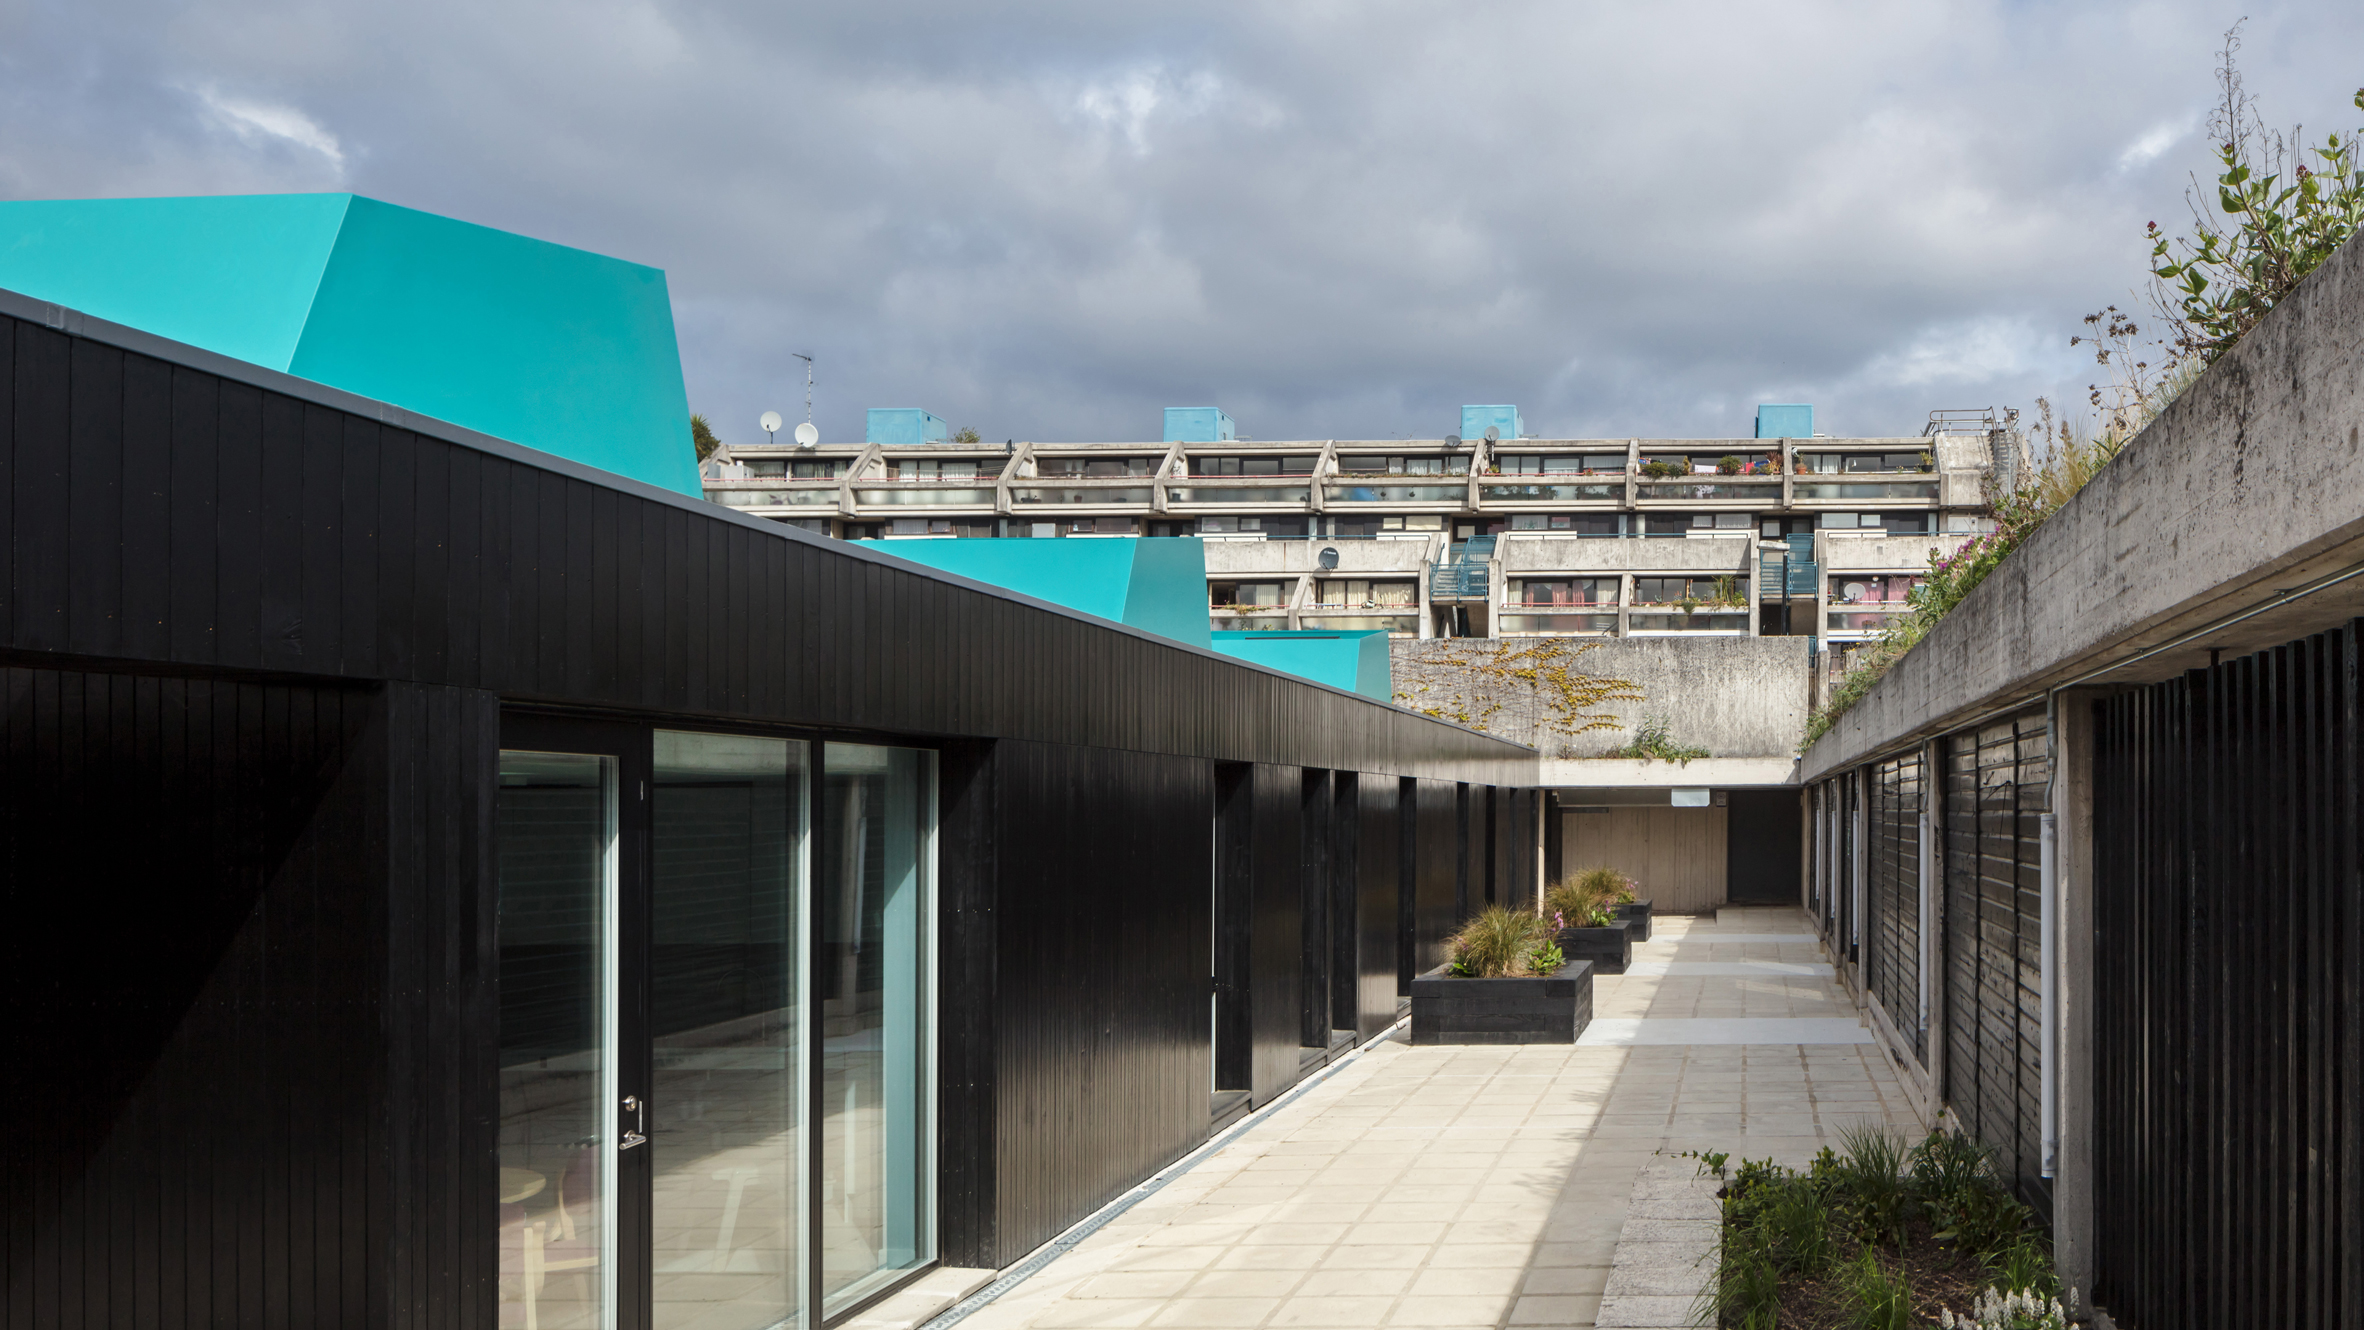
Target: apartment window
{"x":829,"y":470}
{"x":931,"y":469}
{"x":1914,"y":523}
{"x":1371,"y":525}
{"x":1252,"y":466}
{"x":1831,"y":464}
{"x":1373,"y":465}
{"x":1561,"y":464}
{"x":765,"y":466}
{"x":1248,"y":595}
{"x":1363,"y":593}
{"x":1720,"y":521}
{"x":1732,"y":590}
{"x":921,"y":526}
{"x":1564,"y":591}
{"x":1095,"y":468}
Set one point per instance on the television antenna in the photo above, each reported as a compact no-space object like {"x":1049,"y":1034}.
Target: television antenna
{"x":808,"y":386}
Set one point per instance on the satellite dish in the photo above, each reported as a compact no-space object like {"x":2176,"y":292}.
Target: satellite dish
{"x":770,"y":420}
{"x":806,"y":435}
{"x":1328,"y":558}
{"x":1452,"y":441}
{"x":1493,"y":435}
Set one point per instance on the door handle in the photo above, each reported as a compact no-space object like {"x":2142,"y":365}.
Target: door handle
{"x":636,"y":1134}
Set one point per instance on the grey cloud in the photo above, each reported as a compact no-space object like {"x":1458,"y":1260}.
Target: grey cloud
{"x":1051,"y":220}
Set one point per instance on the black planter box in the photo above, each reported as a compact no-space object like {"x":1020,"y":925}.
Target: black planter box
{"x":1609,"y":949}
{"x":1636,"y":915}
{"x":1553,"y":1010}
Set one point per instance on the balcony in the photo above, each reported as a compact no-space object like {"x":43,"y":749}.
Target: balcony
{"x":1875,"y":491}
{"x":825,"y":496}
{"x":1455,"y":493}
{"x":1667,"y":620}
{"x":933,"y":494}
{"x":1597,"y":621}
{"x":1271,"y":622}
{"x":1551,"y":491}
{"x":1864,"y":618}
{"x":1334,"y":621}
{"x":1096,"y":494}
{"x":1761,"y":490}
{"x":1200,"y":492}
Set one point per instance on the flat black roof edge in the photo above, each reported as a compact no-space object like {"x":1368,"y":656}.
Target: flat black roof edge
{"x":75,"y":323}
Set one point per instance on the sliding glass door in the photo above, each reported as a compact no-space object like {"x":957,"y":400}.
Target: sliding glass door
{"x":716,"y":1026}
{"x":727,"y":938}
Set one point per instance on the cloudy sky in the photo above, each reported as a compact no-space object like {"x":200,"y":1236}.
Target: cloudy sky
{"x":1335,"y":220}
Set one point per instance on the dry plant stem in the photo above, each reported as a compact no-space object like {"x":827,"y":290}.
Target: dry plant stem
{"x":1544,"y":670}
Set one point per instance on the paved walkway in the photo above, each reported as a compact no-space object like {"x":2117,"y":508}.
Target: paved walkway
{"x":1485,"y":1187}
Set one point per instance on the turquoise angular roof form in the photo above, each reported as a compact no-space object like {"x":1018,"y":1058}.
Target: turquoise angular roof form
{"x":1358,"y":661}
{"x":558,"y":349}
{"x":1157,"y":584}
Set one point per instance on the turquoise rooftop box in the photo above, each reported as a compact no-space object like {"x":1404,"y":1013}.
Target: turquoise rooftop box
{"x":1197,"y":424}
{"x":558,"y":349}
{"x":1355,"y":661}
{"x":1475,"y":420}
{"x":1157,"y":584}
{"x":901,"y":426}
{"x":1793,"y":420}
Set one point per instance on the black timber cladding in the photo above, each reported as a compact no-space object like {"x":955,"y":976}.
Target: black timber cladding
{"x":221,"y":584}
{"x":2229,"y":993}
{"x":166,"y":514}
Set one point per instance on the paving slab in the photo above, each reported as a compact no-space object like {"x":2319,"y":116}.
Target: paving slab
{"x":1489,"y":1186}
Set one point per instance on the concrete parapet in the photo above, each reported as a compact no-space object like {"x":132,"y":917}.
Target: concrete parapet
{"x":2246,"y":488}
{"x":1737,"y":697}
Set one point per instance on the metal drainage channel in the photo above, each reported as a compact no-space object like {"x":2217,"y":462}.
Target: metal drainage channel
{"x":1098,"y":1219}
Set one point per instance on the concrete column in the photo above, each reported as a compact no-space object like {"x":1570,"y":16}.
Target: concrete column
{"x":1624,"y":603}
{"x":2072,"y":811}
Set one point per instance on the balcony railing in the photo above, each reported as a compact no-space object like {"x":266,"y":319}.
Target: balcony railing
{"x":1202,"y":493}
{"x":1525,"y":619}
{"x":752,"y":498}
{"x":932,"y":496}
{"x":1674,"y":619}
{"x":1456,"y":493}
{"x":1714,"y":489}
{"x":1865,"y":616}
{"x":1248,"y":623}
{"x":1823,"y":491}
{"x":1352,"y":623}
{"x":1571,"y":491}
{"x":1080,"y":494}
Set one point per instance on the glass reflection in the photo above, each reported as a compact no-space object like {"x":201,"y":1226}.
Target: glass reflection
{"x":728,"y":820}
{"x":872,"y":953}
{"x":555,"y":844}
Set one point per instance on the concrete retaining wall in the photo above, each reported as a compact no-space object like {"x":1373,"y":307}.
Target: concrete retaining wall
{"x":1734,"y":696}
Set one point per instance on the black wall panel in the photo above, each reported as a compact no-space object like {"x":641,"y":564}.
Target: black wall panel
{"x":263,"y":903}
{"x":162,"y":513}
{"x":1994,"y":795}
{"x":1379,"y":874}
{"x":256,"y":858}
{"x":1892,"y":896}
{"x":1276,"y":925}
{"x":2229,"y":995}
{"x":1345,"y":918}
{"x":1761,"y":847}
{"x":1438,"y":857}
{"x":1314,"y":931}
{"x":1103,"y":933}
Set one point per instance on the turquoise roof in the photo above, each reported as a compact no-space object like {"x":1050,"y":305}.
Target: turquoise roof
{"x":1156,"y":584}
{"x":1358,"y":661}
{"x":554,"y":348}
